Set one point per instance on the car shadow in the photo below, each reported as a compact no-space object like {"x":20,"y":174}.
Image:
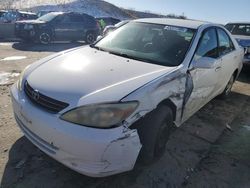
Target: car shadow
{"x":28,"y":167}
{"x":52,"y":47}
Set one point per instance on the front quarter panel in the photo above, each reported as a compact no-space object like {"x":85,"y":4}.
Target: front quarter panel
{"x":169,"y":86}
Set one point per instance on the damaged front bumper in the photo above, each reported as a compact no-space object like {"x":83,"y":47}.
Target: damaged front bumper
{"x":89,"y":151}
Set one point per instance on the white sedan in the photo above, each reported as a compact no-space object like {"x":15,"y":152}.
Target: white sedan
{"x":98,"y":108}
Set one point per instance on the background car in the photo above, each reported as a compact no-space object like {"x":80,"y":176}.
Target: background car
{"x":14,"y":15}
{"x":2,"y":12}
{"x":241,"y":32}
{"x":59,"y":26}
{"x":43,"y":12}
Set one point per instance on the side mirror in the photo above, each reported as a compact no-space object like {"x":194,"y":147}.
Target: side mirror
{"x":204,"y":63}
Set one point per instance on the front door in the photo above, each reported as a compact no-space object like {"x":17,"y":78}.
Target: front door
{"x":204,"y":79}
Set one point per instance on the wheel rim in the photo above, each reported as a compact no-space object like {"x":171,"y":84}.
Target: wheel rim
{"x":229,"y":85}
{"x":90,"y":38}
{"x":44,"y":38}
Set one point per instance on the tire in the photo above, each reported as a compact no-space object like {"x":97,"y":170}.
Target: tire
{"x":44,"y":37}
{"x":154,"y":131}
{"x":228,"y":88}
{"x":90,"y":38}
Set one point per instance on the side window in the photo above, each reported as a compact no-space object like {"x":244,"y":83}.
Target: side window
{"x":207,"y":45}
{"x":225,"y":43}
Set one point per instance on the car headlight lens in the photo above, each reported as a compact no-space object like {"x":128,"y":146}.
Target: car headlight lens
{"x":101,"y":115}
{"x":20,"y":81}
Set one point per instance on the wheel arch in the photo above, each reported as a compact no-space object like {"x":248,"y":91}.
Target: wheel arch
{"x":168,"y":102}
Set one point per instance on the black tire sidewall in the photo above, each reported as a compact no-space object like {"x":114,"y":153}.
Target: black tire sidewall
{"x":148,"y":129}
{"x":87,"y":36}
{"x":44,"y":32}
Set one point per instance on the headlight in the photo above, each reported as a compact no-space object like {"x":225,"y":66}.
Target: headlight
{"x":28,"y":26}
{"x":101,"y":115}
{"x":20,"y":81}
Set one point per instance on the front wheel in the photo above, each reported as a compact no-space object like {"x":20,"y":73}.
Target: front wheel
{"x":154,"y":131}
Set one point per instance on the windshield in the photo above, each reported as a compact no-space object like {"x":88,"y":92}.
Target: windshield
{"x":152,"y":43}
{"x":48,"y":17}
{"x":239,"y":29}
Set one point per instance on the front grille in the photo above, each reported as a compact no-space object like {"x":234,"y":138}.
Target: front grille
{"x":47,"y":103}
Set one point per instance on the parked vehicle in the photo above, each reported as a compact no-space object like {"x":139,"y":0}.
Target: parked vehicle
{"x":111,"y":28}
{"x":58,"y":26}
{"x":95,"y":108}
{"x":241,"y":31}
{"x":43,"y":12}
{"x":2,"y":12}
{"x":14,"y":15}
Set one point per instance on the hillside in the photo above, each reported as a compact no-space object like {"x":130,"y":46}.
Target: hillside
{"x":96,"y":8}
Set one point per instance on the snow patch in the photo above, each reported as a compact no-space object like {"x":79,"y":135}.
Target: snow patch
{"x":13,"y":58}
{"x":8,"y":77}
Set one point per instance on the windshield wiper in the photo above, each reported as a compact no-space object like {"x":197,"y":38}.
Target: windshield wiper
{"x":134,"y":58}
{"x":98,"y":48}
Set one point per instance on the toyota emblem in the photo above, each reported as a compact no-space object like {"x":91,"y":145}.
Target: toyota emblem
{"x":35,"y":95}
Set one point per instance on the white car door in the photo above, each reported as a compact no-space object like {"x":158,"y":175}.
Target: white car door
{"x":229,"y":56}
{"x":205,"y":71}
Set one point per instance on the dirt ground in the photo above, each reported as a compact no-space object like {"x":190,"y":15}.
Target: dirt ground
{"x":212,"y":149}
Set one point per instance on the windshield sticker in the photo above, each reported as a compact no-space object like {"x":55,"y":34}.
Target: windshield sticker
{"x":173,"y":28}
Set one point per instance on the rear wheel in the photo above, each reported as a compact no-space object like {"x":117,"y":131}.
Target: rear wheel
{"x":154,"y":131}
{"x":44,"y":38}
{"x":90,"y":37}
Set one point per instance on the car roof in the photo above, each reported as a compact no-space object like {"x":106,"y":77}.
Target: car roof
{"x":193,"y":24}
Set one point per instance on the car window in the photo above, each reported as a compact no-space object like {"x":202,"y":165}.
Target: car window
{"x":208,"y":45}
{"x":225,"y":43}
{"x":152,"y":43}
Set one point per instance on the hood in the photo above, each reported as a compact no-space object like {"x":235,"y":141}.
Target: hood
{"x":31,"y":22}
{"x":87,"y":72}
{"x":243,"y":40}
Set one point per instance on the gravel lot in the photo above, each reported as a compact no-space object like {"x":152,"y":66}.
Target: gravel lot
{"x":212,"y":149}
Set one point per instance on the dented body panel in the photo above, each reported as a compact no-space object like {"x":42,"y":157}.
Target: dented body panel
{"x":102,"y":152}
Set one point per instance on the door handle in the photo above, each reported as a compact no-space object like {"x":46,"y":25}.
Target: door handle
{"x":217,"y":69}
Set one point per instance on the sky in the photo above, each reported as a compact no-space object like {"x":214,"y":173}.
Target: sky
{"x":219,"y":11}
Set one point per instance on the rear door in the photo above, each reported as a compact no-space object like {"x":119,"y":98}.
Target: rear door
{"x":63,"y":28}
{"x":77,"y":26}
